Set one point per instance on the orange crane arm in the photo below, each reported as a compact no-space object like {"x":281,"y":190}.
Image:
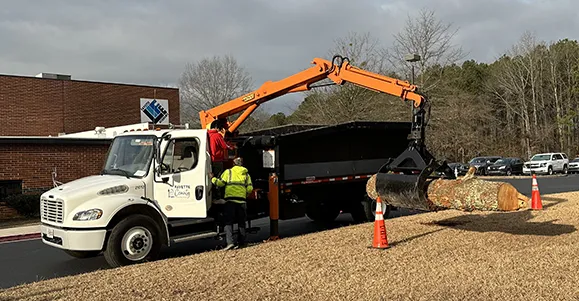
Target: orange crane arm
{"x":302,"y":81}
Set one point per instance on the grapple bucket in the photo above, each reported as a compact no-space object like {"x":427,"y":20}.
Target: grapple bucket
{"x":403,"y":183}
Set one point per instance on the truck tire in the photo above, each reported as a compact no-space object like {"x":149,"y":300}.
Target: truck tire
{"x":135,"y":239}
{"x":366,"y":212}
{"x":82,"y":254}
{"x":322,"y":212}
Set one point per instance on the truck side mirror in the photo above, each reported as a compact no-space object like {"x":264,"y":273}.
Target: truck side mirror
{"x":158,"y":170}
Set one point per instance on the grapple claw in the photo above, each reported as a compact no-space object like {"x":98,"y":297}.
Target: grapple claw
{"x":404,"y":181}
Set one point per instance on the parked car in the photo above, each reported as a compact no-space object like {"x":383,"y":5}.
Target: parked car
{"x":456,"y":166}
{"x":506,"y":166}
{"x":547,"y":163}
{"x":574,"y":165}
{"x":460,"y":167}
{"x":481,"y":163}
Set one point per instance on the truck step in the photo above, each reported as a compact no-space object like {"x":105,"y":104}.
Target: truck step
{"x":190,"y":221}
{"x":187,"y":237}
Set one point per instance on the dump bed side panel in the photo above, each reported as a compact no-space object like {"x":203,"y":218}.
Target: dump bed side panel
{"x":344,"y":150}
{"x":320,"y":163}
{"x":354,"y":148}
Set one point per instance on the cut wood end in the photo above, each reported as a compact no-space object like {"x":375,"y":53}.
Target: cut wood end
{"x":509,"y":199}
{"x":371,"y":188}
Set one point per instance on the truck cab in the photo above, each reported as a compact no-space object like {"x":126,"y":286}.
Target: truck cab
{"x":153,"y":190}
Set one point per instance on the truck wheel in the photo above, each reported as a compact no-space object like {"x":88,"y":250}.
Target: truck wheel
{"x":550,"y":170}
{"x":368,"y":210}
{"x":82,"y":254}
{"x":371,"y":209}
{"x":565,"y":170}
{"x":135,"y":239}
{"x":321,"y":212}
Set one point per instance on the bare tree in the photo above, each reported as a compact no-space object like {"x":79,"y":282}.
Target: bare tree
{"x":362,"y":50}
{"x":428,"y":37}
{"x":209,"y":83}
{"x":335,"y":104}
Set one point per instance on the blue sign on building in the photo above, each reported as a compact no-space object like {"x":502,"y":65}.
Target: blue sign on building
{"x":155,"y":111}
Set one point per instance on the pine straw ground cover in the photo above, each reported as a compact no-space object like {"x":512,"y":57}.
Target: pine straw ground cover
{"x":449,"y":255}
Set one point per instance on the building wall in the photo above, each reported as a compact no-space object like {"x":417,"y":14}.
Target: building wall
{"x":40,"y":106}
{"x":33,"y":162}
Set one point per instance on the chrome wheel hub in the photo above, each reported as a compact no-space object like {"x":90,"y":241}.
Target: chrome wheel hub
{"x":137,"y":243}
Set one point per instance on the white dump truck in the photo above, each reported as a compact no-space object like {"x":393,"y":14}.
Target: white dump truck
{"x":155,"y":189}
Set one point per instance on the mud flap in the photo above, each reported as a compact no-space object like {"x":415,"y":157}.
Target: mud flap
{"x":404,"y":181}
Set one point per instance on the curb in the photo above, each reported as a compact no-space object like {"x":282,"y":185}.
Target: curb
{"x":19,"y":237}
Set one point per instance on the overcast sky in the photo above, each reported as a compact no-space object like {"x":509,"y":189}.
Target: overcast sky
{"x":148,"y":42}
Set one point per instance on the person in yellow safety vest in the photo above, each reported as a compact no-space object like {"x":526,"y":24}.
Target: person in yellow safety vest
{"x":238,"y":186}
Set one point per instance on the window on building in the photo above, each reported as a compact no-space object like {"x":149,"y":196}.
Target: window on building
{"x":10,"y":187}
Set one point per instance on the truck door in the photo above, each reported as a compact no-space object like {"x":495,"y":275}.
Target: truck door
{"x":181,"y":185}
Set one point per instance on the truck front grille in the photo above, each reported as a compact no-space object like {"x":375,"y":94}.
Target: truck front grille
{"x":52,"y":210}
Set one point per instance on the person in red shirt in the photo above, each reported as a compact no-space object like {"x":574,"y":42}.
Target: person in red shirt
{"x":217,"y":143}
{"x":219,"y":154}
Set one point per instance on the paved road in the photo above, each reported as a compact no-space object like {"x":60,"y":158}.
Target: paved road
{"x":547,"y":185}
{"x":29,"y":261}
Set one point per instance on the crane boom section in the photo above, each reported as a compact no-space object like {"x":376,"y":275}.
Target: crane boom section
{"x":302,"y":81}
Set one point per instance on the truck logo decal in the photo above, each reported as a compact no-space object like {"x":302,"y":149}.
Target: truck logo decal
{"x":248,"y":97}
{"x":180,"y":192}
{"x":154,"y":110}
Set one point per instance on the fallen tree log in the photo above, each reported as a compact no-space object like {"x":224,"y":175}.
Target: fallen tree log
{"x":467,"y":194}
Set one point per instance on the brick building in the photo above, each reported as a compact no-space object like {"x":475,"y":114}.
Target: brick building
{"x":36,"y":110}
{"x":40,"y":106}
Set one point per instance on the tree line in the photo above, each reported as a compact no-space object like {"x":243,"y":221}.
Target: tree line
{"x":524,"y":102}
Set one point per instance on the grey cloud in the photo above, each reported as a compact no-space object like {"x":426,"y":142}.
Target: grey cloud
{"x":148,"y":42}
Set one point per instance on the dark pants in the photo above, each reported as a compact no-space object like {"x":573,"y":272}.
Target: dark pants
{"x":217,"y":168}
{"x":235,"y":213}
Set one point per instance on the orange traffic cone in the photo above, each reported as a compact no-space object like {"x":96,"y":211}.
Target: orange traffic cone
{"x":380,"y":240}
{"x":536,"y":203}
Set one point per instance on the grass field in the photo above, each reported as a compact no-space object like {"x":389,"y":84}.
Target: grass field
{"x":447,"y":255}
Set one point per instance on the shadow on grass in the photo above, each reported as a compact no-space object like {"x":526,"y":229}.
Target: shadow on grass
{"x":516,"y":223}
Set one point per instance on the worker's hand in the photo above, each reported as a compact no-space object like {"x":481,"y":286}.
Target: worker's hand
{"x":211,"y":175}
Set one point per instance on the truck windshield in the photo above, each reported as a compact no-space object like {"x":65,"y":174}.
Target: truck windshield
{"x":130,"y":156}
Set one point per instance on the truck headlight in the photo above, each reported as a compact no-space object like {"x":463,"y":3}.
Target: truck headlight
{"x":88,"y":215}
{"x":502,"y":167}
{"x":114,"y":190}
{"x":543,"y":164}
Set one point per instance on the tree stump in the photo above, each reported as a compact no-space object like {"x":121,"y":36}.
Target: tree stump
{"x":466,"y":194}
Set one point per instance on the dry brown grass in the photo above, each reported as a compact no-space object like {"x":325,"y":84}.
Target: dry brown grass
{"x":449,"y":255}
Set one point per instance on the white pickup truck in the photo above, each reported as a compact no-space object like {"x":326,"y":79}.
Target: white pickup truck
{"x":547,"y":163}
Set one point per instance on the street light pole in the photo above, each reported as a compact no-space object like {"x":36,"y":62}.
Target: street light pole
{"x":411,"y":58}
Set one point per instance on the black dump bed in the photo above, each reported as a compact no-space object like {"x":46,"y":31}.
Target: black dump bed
{"x":323,"y":151}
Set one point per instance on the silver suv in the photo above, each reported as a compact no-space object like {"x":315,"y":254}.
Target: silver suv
{"x":547,"y":163}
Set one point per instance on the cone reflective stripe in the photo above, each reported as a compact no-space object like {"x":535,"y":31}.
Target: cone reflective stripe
{"x":536,"y":203}
{"x":379,"y":213}
{"x":380,"y":239}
